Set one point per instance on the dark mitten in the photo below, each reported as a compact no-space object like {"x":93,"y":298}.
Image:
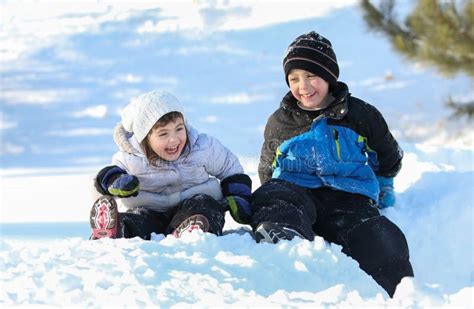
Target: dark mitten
{"x":239,"y":209}
{"x":237,"y":190}
{"x":115,"y":181}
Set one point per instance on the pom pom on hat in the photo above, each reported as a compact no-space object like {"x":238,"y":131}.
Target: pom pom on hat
{"x":314,"y":53}
{"x":141,"y":114}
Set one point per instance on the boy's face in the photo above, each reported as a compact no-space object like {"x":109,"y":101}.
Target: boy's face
{"x":168,"y":141}
{"x":308,"y":88}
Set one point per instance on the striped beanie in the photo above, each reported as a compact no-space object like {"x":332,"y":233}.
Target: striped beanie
{"x":313,"y":53}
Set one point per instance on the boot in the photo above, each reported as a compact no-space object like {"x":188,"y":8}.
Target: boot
{"x":195,"y":222}
{"x":104,"y":218}
{"x":273,"y":232}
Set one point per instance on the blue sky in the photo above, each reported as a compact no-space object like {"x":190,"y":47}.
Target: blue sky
{"x":67,"y":72}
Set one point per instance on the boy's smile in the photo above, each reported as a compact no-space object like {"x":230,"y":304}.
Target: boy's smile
{"x":308,"y":96}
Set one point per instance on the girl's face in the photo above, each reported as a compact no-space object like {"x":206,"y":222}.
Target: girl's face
{"x":168,"y":141}
{"x":308,"y":88}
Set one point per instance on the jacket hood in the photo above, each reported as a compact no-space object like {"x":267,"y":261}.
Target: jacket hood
{"x":337,"y":109}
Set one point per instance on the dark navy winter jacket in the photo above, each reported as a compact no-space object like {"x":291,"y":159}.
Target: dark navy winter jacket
{"x":343,"y":146}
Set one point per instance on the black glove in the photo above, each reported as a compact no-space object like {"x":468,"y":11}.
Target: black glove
{"x":237,"y":190}
{"x":113,"y":180}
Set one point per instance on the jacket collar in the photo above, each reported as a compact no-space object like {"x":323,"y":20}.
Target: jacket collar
{"x":337,"y":109}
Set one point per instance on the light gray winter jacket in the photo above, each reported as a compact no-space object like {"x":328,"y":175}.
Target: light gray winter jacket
{"x":168,"y":183}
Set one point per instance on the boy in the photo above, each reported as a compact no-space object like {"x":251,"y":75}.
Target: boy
{"x":327,"y":164}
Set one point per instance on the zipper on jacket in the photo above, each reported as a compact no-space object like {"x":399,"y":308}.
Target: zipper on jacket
{"x":338,"y":146}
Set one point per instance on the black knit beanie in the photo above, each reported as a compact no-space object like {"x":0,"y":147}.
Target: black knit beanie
{"x":313,"y":53}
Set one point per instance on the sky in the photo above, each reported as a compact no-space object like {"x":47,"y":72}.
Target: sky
{"x":67,"y":69}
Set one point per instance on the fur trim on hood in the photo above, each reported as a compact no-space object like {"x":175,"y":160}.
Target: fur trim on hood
{"x":122,"y":139}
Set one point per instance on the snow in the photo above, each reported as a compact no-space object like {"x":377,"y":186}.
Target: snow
{"x":63,"y":82}
{"x":434,"y":209}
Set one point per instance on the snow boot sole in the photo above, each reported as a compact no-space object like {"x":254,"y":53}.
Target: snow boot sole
{"x":195,"y":222}
{"x":104,"y":218}
{"x":273,"y":233}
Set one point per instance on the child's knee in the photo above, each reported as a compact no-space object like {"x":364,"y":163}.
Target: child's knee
{"x":202,"y":204}
{"x":376,"y":242}
{"x":278,"y":193}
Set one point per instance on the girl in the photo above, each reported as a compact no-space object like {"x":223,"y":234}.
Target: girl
{"x":164,"y":174}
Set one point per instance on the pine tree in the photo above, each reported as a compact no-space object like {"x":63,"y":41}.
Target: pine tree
{"x":439,"y":33}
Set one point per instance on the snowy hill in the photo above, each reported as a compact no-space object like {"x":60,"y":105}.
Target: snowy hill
{"x":67,"y":69}
{"x":57,"y":265}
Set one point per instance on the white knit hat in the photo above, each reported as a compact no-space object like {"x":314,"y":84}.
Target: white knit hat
{"x":141,"y":114}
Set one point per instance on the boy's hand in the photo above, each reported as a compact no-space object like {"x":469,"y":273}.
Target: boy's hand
{"x":387,"y":193}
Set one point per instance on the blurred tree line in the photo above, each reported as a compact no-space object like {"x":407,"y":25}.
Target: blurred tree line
{"x":439,"y":33}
